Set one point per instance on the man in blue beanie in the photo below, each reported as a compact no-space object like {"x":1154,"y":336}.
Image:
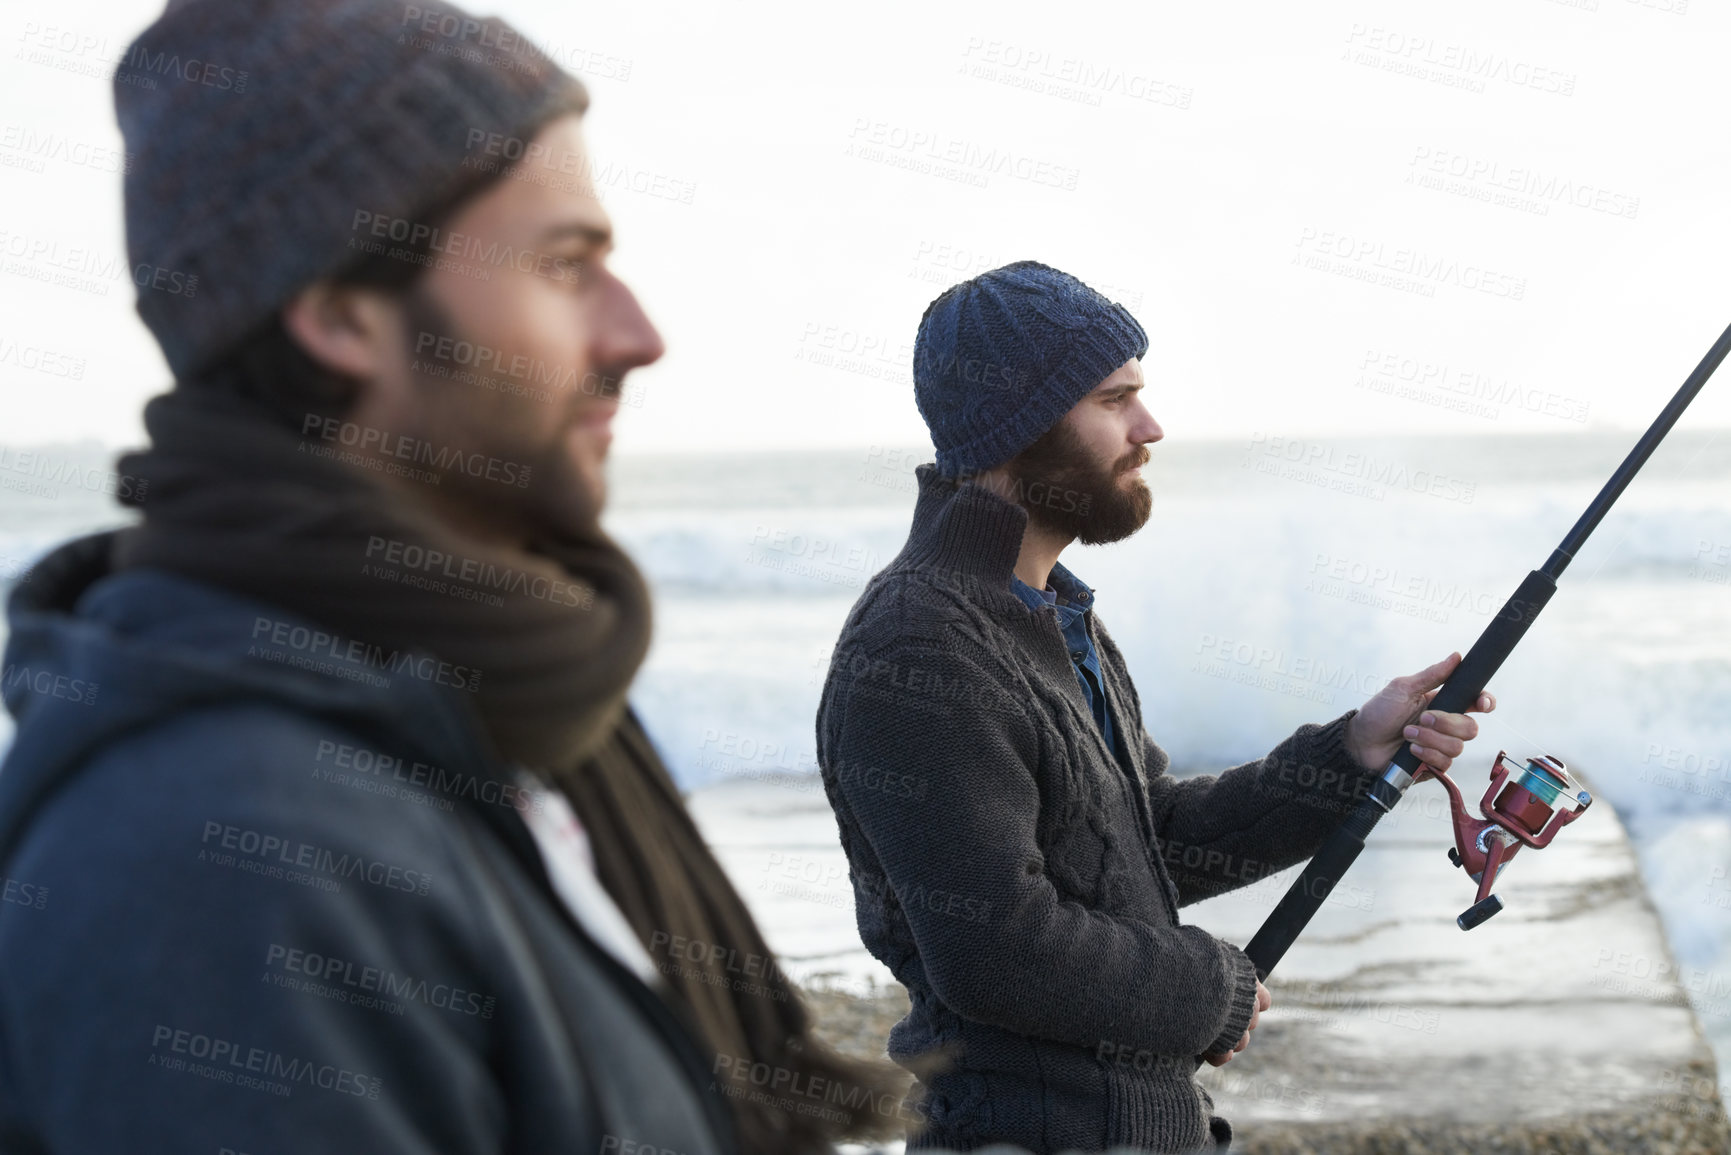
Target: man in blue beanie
{"x":1027,"y":894}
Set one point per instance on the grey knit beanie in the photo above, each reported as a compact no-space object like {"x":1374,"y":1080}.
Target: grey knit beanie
{"x":260,"y":129}
{"x":1001,"y":358}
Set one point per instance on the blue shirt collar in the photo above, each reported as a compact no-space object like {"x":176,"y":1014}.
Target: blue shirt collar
{"x":1062,"y":584}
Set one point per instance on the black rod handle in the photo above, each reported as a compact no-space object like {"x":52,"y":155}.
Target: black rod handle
{"x":1309,"y":890}
{"x":1460,"y":690}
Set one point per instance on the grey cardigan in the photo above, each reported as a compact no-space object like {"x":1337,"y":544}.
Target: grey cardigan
{"x":1021,"y":879}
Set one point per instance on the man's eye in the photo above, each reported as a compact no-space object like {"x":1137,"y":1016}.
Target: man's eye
{"x":572,"y":270}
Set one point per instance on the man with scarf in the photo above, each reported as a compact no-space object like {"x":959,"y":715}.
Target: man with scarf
{"x":337,"y":830}
{"x":1024,"y":878}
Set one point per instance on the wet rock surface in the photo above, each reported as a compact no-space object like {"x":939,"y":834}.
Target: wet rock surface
{"x":1556,"y":1026}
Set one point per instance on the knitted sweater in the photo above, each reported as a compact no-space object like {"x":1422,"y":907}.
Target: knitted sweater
{"x":1021,"y":879}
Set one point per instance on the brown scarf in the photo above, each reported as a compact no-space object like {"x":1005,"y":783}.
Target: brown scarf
{"x":236,"y":500}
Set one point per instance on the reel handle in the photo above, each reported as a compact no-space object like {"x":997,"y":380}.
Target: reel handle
{"x":1478,"y":912}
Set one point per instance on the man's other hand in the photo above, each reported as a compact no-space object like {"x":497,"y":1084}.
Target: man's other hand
{"x":1263,"y":1001}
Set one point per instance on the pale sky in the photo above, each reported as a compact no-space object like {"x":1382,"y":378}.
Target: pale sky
{"x":1244,"y":177}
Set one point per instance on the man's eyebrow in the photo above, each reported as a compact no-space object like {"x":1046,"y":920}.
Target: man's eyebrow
{"x":596,"y":235}
{"x":1120,"y":387}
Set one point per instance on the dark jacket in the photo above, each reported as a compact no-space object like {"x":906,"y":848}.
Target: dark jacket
{"x":1023,"y":880}
{"x":242,"y":939}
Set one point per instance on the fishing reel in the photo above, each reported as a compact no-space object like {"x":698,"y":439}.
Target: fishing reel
{"x":1527,"y":809}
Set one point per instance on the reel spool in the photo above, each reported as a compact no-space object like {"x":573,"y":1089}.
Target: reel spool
{"x":1523,"y":806}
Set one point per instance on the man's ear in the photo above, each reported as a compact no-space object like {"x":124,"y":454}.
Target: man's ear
{"x":350,"y":329}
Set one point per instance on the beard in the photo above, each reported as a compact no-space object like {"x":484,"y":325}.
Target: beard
{"x":561,"y":495}
{"x":1069,"y":492}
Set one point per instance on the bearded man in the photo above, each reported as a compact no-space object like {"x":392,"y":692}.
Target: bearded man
{"x":1023,"y":876}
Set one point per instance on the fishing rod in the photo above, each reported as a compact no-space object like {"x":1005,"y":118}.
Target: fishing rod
{"x":1525,"y":810}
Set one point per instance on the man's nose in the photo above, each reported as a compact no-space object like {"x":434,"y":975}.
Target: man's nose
{"x":624,"y":336}
{"x":1146,"y":430}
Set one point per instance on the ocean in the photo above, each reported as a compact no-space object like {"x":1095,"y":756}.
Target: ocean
{"x":1279,"y":581}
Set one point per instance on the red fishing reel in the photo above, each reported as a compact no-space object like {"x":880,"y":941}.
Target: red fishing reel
{"x":1526,"y":809}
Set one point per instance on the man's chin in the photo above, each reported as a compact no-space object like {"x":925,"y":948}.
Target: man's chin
{"x":566,"y":491}
{"x":586,"y":447}
{"x":1132,"y":507}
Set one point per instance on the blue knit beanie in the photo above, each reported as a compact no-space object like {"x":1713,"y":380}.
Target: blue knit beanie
{"x":1001,"y":358}
{"x":260,"y":129}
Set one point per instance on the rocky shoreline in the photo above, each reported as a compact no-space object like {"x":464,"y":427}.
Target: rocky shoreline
{"x":1690,"y":1121}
